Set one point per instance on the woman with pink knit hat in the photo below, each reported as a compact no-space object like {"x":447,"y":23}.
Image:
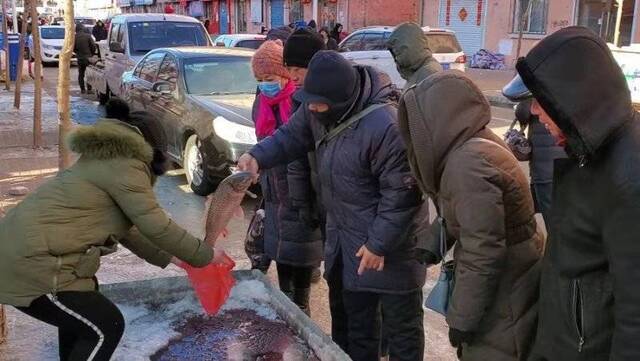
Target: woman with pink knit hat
{"x":291,"y":237}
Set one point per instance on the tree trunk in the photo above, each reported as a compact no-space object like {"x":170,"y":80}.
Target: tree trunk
{"x":5,"y":40}
{"x":3,"y":325}
{"x":37,"y":97}
{"x":18,"y":93}
{"x":64,"y":111}
{"x":521,"y":30}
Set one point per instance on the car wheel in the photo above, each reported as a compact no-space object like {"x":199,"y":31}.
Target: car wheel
{"x":195,"y":170}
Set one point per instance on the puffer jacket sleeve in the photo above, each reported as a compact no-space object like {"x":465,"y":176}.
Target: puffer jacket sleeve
{"x":620,"y":237}
{"x":139,"y":245}
{"x":480,"y":257}
{"x":128,"y":182}
{"x":290,"y":142}
{"x":400,"y":196}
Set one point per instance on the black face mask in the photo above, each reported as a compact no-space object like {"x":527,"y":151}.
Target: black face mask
{"x":329,"y":117}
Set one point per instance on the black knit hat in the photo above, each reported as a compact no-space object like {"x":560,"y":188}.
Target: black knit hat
{"x":301,"y":46}
{"x":331,"y":79}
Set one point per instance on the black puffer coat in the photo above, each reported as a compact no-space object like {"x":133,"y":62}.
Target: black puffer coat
{"x":590,"y":299}
{"x":367,"y":188}
{"x":289,"y":237}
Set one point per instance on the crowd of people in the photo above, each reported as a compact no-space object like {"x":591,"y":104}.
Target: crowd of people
{"x":381,"y":154}
{"x":349,"y":166}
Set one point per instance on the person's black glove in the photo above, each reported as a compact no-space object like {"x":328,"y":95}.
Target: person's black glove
{"x":426,"y":257}
{"x":457,"y":337}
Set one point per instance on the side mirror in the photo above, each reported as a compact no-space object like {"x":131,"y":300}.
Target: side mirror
{"x":116,"y":47}
{"x":162,"y":87}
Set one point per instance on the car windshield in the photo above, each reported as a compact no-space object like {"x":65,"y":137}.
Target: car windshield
{"x":219,"y":76}
{"x":52,"y":33}
{"x":146,"y":36}
{"x":90,"y":22}
{"x":443,"y":43}
{"x":250,"y":44}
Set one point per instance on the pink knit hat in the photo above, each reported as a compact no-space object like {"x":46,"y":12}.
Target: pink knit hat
{"x":267,"y":60}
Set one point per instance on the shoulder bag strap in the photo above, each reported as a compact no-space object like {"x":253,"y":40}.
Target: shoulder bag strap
{"x":327,"y":137}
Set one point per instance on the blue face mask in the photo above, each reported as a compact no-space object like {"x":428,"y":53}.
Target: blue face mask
{"x":269,"y":88}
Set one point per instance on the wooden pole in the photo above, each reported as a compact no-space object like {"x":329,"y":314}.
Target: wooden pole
{"x":37,"y":97}
{"x":14,"y":13}
{"x":5,"y":40}
{"x":64,"y":112}
{"x":3,"y":325}
{"x":18,"y":91}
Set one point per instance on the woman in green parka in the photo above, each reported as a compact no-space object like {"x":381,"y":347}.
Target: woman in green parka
{"x":51,"y":243}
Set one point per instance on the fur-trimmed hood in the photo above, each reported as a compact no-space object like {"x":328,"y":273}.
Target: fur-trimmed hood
{"x":108,"y":139}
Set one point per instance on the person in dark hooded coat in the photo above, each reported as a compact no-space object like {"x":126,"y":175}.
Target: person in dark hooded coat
{"x":100,"y":31}
{"x":589,"y":298}
{"x":370,"y":197}
{"x":484,"y":198}
{"x":410,"y":50}
{"x":84,"y":48}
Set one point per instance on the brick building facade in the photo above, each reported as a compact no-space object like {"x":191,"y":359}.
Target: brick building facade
{"x":479,"y":24}
{"x":494,"y":24}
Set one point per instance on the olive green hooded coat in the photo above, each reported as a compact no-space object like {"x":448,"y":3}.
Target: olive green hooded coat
{"x":410,"y":50}
{"x":52,"y":241}
{"x":484,"y":197}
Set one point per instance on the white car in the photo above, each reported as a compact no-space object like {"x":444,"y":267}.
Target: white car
{"x":368,"y":46}
{"x":249,"y":41}
{"x":51,"y":40}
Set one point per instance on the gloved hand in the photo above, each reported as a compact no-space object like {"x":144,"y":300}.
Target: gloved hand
{"x":458,"y":337}
{"x":426,"y":257}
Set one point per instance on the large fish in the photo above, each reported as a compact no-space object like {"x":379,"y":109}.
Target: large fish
{"x":224,"y":203}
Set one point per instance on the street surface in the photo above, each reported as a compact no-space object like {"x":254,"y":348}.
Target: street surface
{"x":187,"y":209}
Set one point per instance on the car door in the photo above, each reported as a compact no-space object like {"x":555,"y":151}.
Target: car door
{"x":148,"y":75}
{"x":169,"y":107}
{"x":133,"y":89}
{"x":115,"y":57}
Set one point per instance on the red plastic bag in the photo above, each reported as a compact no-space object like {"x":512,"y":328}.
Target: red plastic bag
{"x":212,"y":283}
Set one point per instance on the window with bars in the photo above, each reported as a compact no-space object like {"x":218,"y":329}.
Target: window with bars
{"x":531,"y":16}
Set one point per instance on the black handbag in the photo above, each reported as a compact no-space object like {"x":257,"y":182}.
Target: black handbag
{"x":517,"y":142}
{"x":254,"y":240}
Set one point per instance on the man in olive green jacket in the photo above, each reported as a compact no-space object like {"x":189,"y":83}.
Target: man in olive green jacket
{"x":410,"y":50}
{"x":51,"y":243}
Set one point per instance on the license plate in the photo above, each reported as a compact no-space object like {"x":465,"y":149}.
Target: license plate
{"x":446,"y":66}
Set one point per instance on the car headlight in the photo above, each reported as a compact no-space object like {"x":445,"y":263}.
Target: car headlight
{"x":48,"y":47}
{"x":234,"y":132}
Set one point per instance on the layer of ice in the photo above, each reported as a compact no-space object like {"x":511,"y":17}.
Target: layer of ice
{"x":150,"y":327}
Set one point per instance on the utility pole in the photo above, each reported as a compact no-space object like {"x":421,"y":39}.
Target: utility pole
{"x":18,"y":91}
{"x":64,"y":113}
{"x":5,"y":40}
{"x":14,"y":12}
{"x":37,"y":96}
{"x":314,"y":12}
{"x":616,"y":35}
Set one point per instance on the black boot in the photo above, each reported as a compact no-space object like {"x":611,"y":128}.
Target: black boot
{"x":301,"y":299}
